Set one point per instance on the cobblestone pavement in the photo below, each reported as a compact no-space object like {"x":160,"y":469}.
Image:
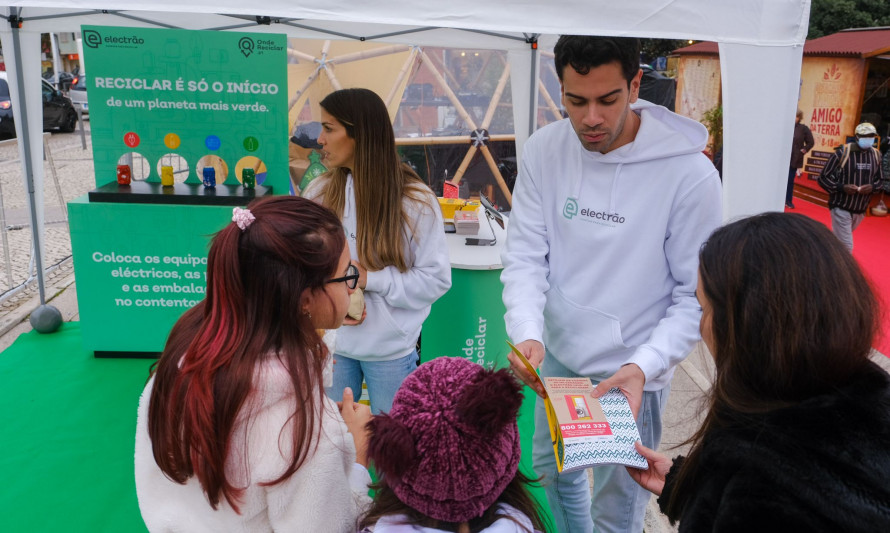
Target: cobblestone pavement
{"x":73,"y":168}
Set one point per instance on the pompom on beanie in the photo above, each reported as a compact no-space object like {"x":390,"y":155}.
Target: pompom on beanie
{"x":449,"y":446}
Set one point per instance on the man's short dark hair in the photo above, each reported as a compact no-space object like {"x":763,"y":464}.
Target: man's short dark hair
{"x":584,"y":52}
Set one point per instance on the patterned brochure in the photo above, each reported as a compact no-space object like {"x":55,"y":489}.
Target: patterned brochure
{"x":585,"y":431}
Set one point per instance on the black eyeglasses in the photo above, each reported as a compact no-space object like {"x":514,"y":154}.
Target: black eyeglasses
{"x":351,"y":277}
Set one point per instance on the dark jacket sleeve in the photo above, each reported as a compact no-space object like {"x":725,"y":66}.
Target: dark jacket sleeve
{"x":807,"y":140}
{"x":669,"y":484}
{"x":828,"y":179}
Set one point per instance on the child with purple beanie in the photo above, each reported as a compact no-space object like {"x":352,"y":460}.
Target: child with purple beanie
{"x":448,"y":455}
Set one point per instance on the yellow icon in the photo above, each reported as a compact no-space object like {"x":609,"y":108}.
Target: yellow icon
{"x":171,"y":141}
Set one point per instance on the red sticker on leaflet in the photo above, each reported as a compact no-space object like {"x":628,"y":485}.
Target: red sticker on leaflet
{"x":588,"y":429}
{"x":131,"y":140}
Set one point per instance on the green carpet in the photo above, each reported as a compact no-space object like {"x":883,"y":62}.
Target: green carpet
{"x":67,"y":429}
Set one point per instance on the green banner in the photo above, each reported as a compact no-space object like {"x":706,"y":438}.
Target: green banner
{"x":166,"y":105}
{"x":190,"y":100}
{"x":133,"y":279}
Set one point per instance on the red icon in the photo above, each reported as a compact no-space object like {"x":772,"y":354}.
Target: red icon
{"x":131,"y":140}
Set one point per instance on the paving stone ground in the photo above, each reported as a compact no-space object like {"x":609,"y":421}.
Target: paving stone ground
{"x":72,"y":166}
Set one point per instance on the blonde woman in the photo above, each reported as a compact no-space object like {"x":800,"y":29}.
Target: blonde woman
{"x":396,"y":240}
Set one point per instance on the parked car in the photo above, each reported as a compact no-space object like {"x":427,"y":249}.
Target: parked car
{"x":78,"y":93}
{"x":58,"y":111}
{"x":62,"y":82}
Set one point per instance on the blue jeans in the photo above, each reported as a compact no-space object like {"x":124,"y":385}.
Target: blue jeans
{"x":618,"y":503}
{"x":382,"y":377}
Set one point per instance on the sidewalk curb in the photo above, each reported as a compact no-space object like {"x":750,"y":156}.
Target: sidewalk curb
{"x":24,"y":310}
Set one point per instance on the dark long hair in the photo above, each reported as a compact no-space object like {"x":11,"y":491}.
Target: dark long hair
{"x":381,"y":181}
{"x":255,"y":280}
{"x":386,"y":503}
{"x":792,"y":317}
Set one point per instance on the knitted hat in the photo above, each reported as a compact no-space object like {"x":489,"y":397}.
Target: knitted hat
{"x":866,"y":128}
{"x":449,"y":446}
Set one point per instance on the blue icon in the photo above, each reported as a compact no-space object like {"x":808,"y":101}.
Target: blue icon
{"x":212,"y":142}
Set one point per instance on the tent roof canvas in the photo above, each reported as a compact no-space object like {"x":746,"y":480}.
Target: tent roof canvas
{"x":762,"y":35}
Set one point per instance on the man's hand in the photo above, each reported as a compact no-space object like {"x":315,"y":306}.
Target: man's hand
{"x":356,"y":415}
{"x":630,"y":380}
{"x":866,"y":189}
{"x":851,"y":189}
{"x":534,"y":352}
{"x":651,"y":479}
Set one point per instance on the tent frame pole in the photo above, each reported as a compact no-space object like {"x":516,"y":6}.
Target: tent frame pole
{"x":532,"y":100}
{"x":23,"y":124}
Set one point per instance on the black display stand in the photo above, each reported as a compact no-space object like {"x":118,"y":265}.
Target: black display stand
{"x":140,"y":192}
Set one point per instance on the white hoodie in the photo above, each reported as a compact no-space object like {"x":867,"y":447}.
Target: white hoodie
{"x":327,"y":493}
{"x":397,"y":302}
{"x":601,"y":259}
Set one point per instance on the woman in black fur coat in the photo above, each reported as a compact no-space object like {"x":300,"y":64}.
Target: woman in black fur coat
{"x":797,"y":435}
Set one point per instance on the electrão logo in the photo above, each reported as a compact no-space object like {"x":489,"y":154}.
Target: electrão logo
{"x":246,"y":46}
{"x":92,"y":38}
{"x":570,"y":209}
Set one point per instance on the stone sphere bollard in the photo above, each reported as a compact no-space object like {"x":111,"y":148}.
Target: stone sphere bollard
{"x":46,"y":319}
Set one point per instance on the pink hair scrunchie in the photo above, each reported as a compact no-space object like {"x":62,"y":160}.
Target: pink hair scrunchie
{"x":243,"y":218}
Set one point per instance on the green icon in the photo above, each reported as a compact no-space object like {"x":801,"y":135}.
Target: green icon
{"x":251,"y":144}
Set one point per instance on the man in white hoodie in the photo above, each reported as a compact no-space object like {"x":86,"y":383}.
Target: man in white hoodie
{"x":600,"y":266}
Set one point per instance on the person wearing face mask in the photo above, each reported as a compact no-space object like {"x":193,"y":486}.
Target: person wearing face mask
{"x":851,"y":175}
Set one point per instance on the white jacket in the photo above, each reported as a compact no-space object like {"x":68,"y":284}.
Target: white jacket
{"x":397,"y":302}
{"x":601,"y":259}
{"x":327,"y":493}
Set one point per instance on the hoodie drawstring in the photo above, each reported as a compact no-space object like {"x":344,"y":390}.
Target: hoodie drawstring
{"x":614,"y":194}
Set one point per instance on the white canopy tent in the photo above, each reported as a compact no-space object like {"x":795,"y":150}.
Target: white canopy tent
{"x":760,"y":41}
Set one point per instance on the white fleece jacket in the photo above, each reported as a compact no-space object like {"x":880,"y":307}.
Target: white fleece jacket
{"x":397,"y":302}
{"x":601,"y":259}
{"x":327,"y":493}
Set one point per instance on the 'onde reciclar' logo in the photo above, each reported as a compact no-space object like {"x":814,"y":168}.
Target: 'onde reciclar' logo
{"x":92,"y":38}
{"x":246,"y":46}
{"x":570,"y":209}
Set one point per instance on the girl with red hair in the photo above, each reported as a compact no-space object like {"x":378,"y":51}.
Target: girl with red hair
{"x":235,"y":432}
